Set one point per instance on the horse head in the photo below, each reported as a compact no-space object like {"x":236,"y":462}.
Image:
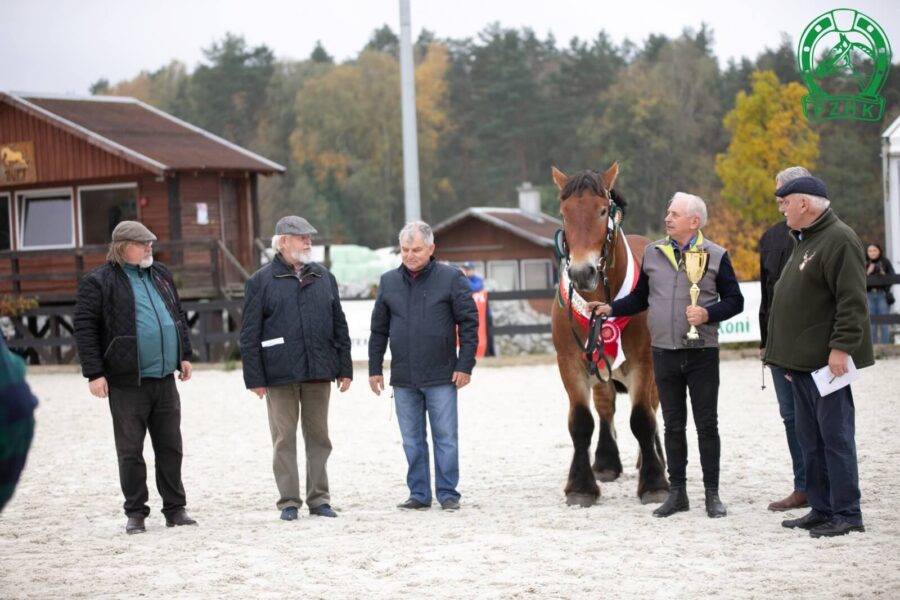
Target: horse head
{"x":585,"y":202}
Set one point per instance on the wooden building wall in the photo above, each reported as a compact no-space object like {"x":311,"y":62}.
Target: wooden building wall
{"x":59,"y":156}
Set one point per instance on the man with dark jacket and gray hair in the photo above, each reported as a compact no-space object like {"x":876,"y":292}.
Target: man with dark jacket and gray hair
{"x":420,"y":306}
{"x":294,"y":343}
{"x":132,"y":335}
{"x":820,"y":320}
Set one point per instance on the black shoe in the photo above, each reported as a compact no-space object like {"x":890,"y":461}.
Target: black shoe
{"x":289,"y":513}
{"x":835,"y":527}
{"x":135,"y":525}
{"x":179,"y":518}
{"x":807,"y":521}
{"x":323,"y":510}
{"x":714,"y":507}
{"x":676,"y":501}
{"x":413,"y":504}
{"x":450,"y":504}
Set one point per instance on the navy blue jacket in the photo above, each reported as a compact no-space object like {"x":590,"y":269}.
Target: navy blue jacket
{"x":420,"y":317}
{"x":293,"y":328}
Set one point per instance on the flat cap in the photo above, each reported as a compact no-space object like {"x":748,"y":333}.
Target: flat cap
{"x":468,"y":265}
{"x":132,"y":231}
{"x":803,"y":185}
{"x":294,"y":225}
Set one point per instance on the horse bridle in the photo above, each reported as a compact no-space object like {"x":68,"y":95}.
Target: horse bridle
{"x":593,"y":345}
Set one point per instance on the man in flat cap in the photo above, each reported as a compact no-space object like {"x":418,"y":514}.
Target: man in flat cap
{"x":294,"y":343}
{"x":819,"y":319}
{"x":132,"y":335}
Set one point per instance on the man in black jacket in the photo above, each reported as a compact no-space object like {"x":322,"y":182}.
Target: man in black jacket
{"x":775,"y":247}
{"x":294,"y":343}
{"x":419,"y":307}
{"x":132,"y":335}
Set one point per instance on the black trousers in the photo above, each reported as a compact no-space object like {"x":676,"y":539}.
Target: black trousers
{"x":677,"y":372}
{"x":155,"y":407}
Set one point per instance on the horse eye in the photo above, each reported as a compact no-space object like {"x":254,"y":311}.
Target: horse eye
{"x":603,"y":212}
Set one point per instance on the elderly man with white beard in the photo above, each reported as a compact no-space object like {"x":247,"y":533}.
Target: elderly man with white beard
{"x":294,"y":343}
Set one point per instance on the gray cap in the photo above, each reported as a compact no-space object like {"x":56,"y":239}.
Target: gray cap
{"x":294,"y":225}
{"x":132,"y":231}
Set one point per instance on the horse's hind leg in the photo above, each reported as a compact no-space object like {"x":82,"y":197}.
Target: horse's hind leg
{"x":607,"y":465}
{"x":652,"y":482}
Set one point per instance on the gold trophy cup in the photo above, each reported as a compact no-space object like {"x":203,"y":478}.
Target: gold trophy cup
{"x":694,"y":267}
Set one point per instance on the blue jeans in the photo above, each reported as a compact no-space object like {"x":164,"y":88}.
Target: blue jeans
{"x":785,"y":396}
{"x":439,"y":402}
{"x":878,"y":306}
{"x":826,"y":429}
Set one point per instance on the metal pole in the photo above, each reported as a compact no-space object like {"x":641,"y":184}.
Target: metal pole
{"x":412,"y":202}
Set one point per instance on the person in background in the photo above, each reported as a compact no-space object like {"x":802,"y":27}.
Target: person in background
{"x":775,"y":247}
{"x":880,"y":298}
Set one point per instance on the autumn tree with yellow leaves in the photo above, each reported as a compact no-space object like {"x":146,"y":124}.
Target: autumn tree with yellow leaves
{"x":768,"y":133}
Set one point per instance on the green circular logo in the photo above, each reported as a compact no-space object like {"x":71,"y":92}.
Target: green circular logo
{"x":850,"y":41}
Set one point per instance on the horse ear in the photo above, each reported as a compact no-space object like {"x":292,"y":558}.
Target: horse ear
{"x":609,"y":177}
{"x":559,"y":178}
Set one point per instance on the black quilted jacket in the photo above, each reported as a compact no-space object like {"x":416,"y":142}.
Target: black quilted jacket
{"x":106,"y":325}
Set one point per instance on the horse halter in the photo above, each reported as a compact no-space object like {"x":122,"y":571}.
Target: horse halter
{"x":593,"y":345}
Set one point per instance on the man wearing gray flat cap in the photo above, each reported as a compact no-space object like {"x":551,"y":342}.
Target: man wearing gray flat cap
{"x":819,"y":320}
{"x":132,"y":335}
{"x":294,"y":343}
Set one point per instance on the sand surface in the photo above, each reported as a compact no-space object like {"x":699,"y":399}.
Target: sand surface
{"x":62,"y":535}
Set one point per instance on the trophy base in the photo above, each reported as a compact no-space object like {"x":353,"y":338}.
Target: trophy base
{"x":693,"y":342}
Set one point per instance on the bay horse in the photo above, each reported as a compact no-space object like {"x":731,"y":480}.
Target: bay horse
{"x":593,"y":253}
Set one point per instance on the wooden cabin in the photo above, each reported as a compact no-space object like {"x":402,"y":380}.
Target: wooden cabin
{"x":72,"y":168}
{"x":512,"y":247}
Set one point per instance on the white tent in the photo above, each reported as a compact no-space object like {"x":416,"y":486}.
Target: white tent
{"x":890,"y":157}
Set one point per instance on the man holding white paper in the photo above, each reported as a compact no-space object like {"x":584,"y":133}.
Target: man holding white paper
{"x":819,"y":320}
{"x":294,"y":343}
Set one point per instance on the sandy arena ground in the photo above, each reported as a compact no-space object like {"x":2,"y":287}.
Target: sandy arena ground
{"x":62,"y":534}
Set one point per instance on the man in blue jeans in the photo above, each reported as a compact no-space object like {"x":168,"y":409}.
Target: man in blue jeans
{"x":419,"y":308}
{"x":775,"y":246}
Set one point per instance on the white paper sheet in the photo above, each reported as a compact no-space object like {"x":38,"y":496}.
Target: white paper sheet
{"x":827,"y":383}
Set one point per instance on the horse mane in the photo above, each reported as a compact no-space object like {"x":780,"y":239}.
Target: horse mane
{"x":589,"y":181}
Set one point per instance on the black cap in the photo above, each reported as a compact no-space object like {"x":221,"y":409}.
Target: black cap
{"x":810,"y":185}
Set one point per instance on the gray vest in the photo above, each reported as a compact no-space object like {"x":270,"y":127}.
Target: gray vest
{"x":670,"y":295}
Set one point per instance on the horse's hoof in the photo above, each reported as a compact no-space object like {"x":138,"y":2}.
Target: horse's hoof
{"x":606,"y":475}
{"x":582,"y":500}
{"x":654,"y":497}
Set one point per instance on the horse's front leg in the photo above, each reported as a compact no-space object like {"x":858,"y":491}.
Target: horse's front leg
{"x":607,"y":464}
{"x":581,"y":487}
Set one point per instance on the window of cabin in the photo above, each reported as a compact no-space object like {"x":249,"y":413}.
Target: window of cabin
{"x":537,"y":274}
{"x":504,"y":273}
{"x":102,"y":208}
{"x":5,"y":223}
{"x":46,"y":219}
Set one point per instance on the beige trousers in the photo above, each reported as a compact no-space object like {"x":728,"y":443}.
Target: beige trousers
{"x":309,"y":403}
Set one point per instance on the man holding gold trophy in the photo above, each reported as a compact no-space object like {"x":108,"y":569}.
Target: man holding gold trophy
{"x":689,"y":286}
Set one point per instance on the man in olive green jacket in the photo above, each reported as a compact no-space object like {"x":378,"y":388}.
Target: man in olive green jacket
{"x":819,"y":317}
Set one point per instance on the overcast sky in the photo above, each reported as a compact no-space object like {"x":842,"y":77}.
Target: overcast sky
{"x":63,"y":46}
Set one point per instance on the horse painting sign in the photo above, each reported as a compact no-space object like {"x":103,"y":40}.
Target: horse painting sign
{"x":17,"y":163}
{"x":856,"y":59}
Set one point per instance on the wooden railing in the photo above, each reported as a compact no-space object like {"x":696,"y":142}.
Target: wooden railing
{"x":52,"y":275}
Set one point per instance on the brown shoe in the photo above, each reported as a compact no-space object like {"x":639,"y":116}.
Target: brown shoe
{"x":796,"y":499}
